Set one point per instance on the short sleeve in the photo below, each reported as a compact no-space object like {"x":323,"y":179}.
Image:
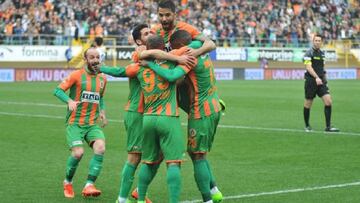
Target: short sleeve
{"x":132,"y":70}
{"x":307,"y":57}
{"x":69,"y":81}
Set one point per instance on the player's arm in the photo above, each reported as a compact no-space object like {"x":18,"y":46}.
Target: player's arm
{"x":162,"y":55}
{"x":195,"y":44}
{"x":170,"y":75}
{"x":102,"y":113}
{"x":128,"y":71}
{"x":310,"y":69}
{"x":60,"y":94}
{"x":207,"y":46}
{"x":60,"y":90}
{"x":113,"y":71}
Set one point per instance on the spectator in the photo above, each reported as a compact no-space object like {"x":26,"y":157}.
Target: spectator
{"x":256,"y":23}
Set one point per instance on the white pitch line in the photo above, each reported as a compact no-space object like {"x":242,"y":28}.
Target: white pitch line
{"x":31,"y":115}
{"x":185,"y":124}
{"x":284,"y":191}
{"x":33,"y":104}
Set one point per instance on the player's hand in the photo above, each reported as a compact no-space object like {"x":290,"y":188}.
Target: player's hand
{"x":318,"y":81}
{"x":187,"y":60}
{"x":144,"y":62}
{"x":72,"y":104}
{"x":192,"y":52}
{"x":103,"y":119}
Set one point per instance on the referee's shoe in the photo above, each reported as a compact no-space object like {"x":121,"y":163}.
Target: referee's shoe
{"x":331,"y":129}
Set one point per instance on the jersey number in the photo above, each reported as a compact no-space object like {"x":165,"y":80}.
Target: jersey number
{"x":149,"y":79}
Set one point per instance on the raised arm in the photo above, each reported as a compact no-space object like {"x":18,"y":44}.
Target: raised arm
{"x":170,"y":75}
{"x":162,"y":55}
{"x":207,"y":46}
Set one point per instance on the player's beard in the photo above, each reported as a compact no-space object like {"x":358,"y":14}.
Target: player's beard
{"x":92,"y":67}
{"x":167,"y":25}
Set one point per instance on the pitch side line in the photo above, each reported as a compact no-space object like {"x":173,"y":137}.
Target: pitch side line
{"x":185,"y":124}
{"x":284,"y":191}
{"x":33,"y":104}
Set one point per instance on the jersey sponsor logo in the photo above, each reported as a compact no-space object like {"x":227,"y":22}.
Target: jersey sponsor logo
{"x":154,"y":97}
{"x":91,"y":97}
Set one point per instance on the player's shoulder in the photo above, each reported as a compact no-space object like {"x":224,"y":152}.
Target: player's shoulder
{"x":77,"y":73}
{"x":309,"y":52}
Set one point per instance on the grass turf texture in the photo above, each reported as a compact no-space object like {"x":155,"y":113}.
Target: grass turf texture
{"x":245,"y":158}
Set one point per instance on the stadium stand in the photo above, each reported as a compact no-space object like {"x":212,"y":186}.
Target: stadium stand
{"x":283,"y":23}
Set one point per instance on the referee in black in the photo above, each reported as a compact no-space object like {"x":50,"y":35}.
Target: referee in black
{"x":316,"y":84}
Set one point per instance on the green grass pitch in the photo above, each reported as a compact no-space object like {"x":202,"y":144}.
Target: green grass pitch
{"x":261,"y":153}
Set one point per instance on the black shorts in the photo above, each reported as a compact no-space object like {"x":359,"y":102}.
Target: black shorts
{"x":311,"y":89}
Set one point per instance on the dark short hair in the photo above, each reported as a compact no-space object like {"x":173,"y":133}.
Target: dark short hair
{"x":99,"y":41}
{"x":180,"y":37}
{"x":136,"y":33}
{"x":167,"y":4}
{"x":318,"y":35}
{"x":155,"y":42}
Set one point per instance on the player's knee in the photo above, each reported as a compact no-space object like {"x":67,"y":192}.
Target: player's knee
{"x":197,"y":156}
{"x":328,"y":102}
{"x":77,"y":152}
{"x":99,"y":146}
{"x":134,"y":159}
{"x":308,"y":103}
{"x":173,"y":164}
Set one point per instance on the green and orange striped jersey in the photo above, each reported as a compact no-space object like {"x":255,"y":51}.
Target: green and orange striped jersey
{"x":88,"y":89}
{"x":136,"y":97}
{"x":179,"y":25}
{"x":204,"y":99}
{"x":159,"y":94}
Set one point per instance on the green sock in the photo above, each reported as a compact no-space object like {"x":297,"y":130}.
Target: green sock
{"x":71,"y":166}
{"x":154,"y":169}
{"x":174,"y":182}
{"x":127,"y":179}
{"x":212,"y":178}
{"x":145,"y":177}
{"x":202,"y":178}
{"x":95,"y":167}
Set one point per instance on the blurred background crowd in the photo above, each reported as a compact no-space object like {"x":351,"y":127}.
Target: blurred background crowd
{"x":228,"y":22}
